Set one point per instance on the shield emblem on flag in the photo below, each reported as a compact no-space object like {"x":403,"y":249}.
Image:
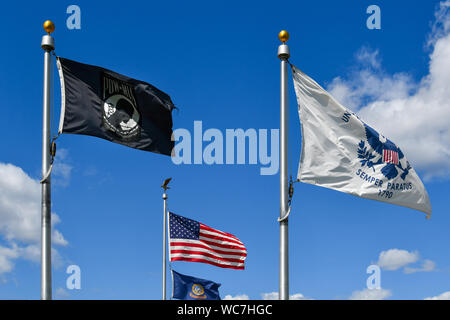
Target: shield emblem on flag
{"x":390,"y":156}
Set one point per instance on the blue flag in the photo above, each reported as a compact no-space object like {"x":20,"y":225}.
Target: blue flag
{"x":191,"y":288}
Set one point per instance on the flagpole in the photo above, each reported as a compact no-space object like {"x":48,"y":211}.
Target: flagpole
{"x":283,"y":55}
{"x":164,"y":246}
{"x":165,"y":188}
{"x":48,"y":45}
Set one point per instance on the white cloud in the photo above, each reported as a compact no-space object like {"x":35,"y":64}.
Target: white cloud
{"x":394,"y":259}
{"x":442,"y":296}
{"x":369,"y":58}
{"x":427,"y":266}
{"x":297,"y":296}
{"x":441,"y":24}
{"x":31,"y":252}
{"x":19,"y":205}
{"x":236,"y":297}
{"x":7,"y":255}
{"x":270,"y":296}
{"x":62,"y":170}
{"x":371,"y":294}
{"x":58,"y":238}
{"x":275,"y":295}
{"x":20,"y":211}
{"x":61,"y":294}
{"x":414,"y":114}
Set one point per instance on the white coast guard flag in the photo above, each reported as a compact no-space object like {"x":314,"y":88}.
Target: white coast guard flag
{"x":341,"y":152}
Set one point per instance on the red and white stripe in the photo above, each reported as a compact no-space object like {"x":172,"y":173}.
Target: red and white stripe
{"x":390,"y":156}
{"x":215,"y":247}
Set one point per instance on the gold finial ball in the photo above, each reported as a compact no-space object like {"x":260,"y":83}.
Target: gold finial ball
{"x":283,"y":36}
{"x":49,"y":26}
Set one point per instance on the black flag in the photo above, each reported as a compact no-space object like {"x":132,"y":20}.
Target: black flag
{"x":101,"y":103}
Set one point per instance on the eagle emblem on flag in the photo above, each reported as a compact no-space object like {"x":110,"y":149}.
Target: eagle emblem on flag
{"x":378,"y":150}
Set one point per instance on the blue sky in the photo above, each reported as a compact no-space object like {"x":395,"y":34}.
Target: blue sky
{"x":218,"y":61}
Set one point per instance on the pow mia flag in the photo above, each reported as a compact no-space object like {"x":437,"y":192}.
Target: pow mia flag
{"x":101,"y":103}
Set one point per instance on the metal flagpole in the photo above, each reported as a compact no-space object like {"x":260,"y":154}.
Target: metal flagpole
{"x":283,"y":55}
{"x":164,"y":247}
{"x":165,"y":187}
{"x":48,"y":45}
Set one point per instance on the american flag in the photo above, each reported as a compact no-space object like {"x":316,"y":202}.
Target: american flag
{"x":191,"y":240}
{"x":390,"y":156}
